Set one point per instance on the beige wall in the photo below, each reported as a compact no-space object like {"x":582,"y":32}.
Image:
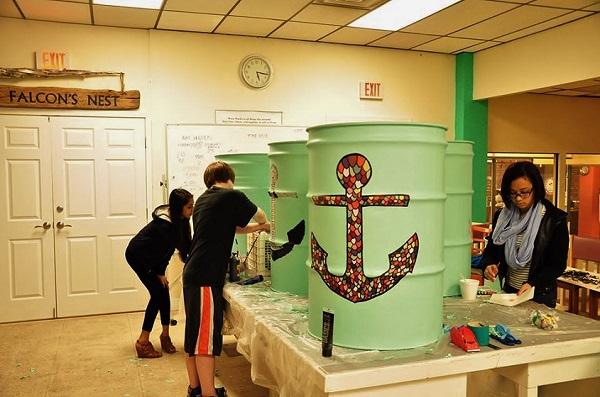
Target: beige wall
{"x":185,"y":77}
{"x":533,"y":123}
{"x":562,"y":55}
{"x":544,"y":124}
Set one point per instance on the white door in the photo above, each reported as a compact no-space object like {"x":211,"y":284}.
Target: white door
{"x":26,"y":235}
{"x":85,"y":177}
{"x":99,"y":204}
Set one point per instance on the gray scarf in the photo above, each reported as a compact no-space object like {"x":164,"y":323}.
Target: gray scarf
{"x":507,"y":228}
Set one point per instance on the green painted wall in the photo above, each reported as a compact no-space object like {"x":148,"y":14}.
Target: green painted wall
{"x":471,"y":125}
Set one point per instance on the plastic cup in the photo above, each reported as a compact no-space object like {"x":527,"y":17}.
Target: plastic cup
{"x":468,"y":289}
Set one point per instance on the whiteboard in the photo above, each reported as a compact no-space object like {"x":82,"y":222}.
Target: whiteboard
{"x":192,"y":147}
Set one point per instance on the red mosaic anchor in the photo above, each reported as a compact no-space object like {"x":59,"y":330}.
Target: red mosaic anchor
{"x":354,"y":172}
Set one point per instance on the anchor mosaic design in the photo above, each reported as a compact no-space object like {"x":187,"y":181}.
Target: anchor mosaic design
{"x":353,"y":173}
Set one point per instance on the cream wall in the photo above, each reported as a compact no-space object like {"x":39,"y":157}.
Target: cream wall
{"x":562,"y":55}
{"x":185,"y":77}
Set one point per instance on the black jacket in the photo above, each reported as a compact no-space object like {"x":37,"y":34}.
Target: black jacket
{"x":151,"y":249}
{"x":549,"y":258}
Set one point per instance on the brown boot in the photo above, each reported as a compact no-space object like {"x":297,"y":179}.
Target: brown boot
{"x":166,"y":344}
{"x":146,"y":350}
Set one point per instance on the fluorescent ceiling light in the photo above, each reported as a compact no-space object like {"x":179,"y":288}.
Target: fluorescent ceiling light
{"x":396,"y":14}
{"x":152,"y":4}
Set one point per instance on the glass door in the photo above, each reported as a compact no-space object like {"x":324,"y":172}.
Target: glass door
{"x":583,"y":189}
{"x":497,"y":164}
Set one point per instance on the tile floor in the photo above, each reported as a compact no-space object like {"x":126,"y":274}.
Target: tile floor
{"x":95,"y":356}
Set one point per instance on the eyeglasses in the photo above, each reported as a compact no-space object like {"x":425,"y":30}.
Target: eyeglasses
{"x":523,"y":195}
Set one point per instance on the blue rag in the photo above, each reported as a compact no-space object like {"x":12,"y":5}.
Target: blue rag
{"x":502,"y":334}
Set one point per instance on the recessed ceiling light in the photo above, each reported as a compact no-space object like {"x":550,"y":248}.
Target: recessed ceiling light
{"x":152,"y":4}
{"x":397,"y":14}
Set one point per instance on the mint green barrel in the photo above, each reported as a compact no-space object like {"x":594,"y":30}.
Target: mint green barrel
{"x":376,"y":216}
{"x":252,"y":178}
{"x":457,"y":223}
{"x":289,"y":206}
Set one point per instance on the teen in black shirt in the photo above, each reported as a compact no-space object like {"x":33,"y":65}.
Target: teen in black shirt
{"x":219,"y":213}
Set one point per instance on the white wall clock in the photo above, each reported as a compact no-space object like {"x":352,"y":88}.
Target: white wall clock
{"x":256,"y":71}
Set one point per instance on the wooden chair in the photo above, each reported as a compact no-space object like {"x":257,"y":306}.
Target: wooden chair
{"x":480,"y":232}
{"x":585,"y":257}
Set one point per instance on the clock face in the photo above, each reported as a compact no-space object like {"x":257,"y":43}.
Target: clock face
{"x":256,"y":71}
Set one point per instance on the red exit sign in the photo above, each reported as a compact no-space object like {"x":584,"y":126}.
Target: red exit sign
{"x":57,"y":60}
{"x":371,"y":90}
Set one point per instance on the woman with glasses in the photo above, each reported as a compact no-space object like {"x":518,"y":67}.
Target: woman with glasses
{"x":529,"y":240}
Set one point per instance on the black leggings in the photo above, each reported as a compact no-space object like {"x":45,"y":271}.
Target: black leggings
{"x":159,"y":299}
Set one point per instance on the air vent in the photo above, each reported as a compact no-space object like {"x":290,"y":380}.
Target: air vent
{"x":359,"y":4}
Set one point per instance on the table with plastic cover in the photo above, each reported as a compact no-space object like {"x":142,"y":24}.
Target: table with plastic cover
{"x":272,"y":332}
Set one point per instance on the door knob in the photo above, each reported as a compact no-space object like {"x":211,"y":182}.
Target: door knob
{"x":60,"y":225}
{"x":45,"y":226}
{"x":59,"y":208}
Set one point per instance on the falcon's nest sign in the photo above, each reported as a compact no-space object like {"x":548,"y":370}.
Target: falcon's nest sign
{"x":67,"y":98}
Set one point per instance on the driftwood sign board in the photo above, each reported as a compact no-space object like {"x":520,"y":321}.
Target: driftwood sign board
{"x":67,"y":98}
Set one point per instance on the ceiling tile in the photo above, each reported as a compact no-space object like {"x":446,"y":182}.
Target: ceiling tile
{"x":221,"y":7}
{"x":302,"y":31}
{"x":577,"y":85}
{"x":595,"y":7}
{"x":56,"y":11}
{"x":328,"y":15}
{"x":567,"y":93}
{"x":403,"y":40}
{"x":188,"y":21}
{"x":572,"y":4}
{"x":543,"y":90}
{"x":447,"y":45}
{"x":481,"y":46}
{"x":503,"y":24}
{"x":354,"y":36}
{"x":248,"y":26}
{"x":9,"y":9}
{"x":125,"y":16}
{"x":275,"y":9}
{"x":544,"y":25}
{"x":591,"y":89}
{"x":459,"y":16}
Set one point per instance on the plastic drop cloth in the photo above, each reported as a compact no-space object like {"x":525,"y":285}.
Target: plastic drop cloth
{"x":272,"y":332}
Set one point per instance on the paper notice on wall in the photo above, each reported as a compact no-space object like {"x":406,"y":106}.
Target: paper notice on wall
{"x":248,"y":117}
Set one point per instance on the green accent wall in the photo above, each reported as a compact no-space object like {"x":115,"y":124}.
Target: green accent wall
{"x":471,"y":125}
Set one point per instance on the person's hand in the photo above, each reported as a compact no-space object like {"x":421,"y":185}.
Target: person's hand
{"x":491,"y":272}
{"x":266,"y":227}
{"x":523,"y":288}
{"x":163,"y":280}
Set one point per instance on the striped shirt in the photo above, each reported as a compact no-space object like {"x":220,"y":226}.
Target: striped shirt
{"x":519,"y":276}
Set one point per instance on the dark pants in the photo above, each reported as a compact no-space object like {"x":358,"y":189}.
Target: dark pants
{"x":159,"y":299}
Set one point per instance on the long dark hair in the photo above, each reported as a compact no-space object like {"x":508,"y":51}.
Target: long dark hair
{"x":522,"y":169}
{"x":177,"y":200}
